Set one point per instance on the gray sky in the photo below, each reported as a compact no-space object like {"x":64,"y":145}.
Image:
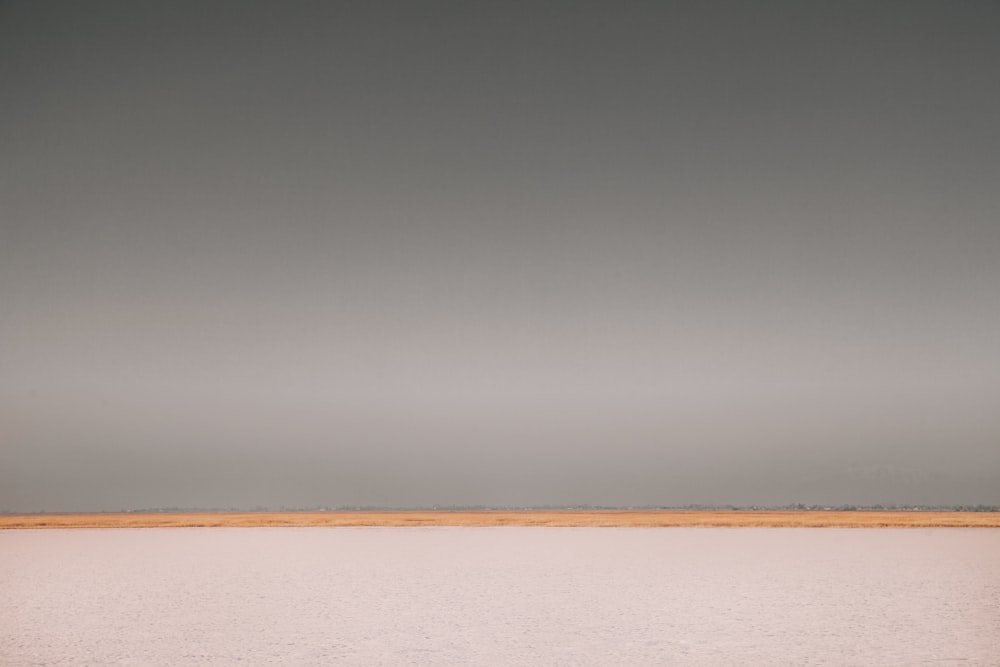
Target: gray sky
{"x":519,"y":253}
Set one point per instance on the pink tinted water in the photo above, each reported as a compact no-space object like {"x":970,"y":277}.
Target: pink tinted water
{"x":500,"y":596}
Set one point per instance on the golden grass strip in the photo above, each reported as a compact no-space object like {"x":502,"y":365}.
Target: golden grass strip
{"x":556,"y":518}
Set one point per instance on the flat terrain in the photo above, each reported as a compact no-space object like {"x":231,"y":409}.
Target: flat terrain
{"x":567,"y":518}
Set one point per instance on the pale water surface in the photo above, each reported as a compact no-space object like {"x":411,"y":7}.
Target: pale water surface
{"x":498,"y":596}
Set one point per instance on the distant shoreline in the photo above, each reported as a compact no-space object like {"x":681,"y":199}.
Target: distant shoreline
{"x":488,"y":518}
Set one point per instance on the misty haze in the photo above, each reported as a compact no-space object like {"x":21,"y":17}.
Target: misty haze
{"x":417,"y":254}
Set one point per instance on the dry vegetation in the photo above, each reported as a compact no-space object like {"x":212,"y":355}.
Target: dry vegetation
{"x":561,"y":518}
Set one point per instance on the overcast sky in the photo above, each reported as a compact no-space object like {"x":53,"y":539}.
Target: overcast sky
{"x":297,"y":254}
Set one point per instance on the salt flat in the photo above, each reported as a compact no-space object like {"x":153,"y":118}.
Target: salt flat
{"x":501,"y":595}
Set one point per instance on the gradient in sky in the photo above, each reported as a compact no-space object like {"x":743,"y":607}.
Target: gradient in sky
{"x":295,"y":254}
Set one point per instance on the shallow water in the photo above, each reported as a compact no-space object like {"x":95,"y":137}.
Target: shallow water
{"x":491,"y":596}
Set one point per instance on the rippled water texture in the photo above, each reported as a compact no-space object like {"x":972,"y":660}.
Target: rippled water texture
{"x":570,"y":596}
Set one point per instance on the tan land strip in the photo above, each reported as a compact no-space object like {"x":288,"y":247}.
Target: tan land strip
{"x":556,"y":518}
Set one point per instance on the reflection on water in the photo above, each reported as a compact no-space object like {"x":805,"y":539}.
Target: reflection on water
{"x":572,"y":596}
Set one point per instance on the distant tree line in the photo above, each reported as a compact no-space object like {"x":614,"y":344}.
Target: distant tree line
{"x":486,"y":508}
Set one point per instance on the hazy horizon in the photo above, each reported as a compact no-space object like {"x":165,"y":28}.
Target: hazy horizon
{"x":406,"y":254}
